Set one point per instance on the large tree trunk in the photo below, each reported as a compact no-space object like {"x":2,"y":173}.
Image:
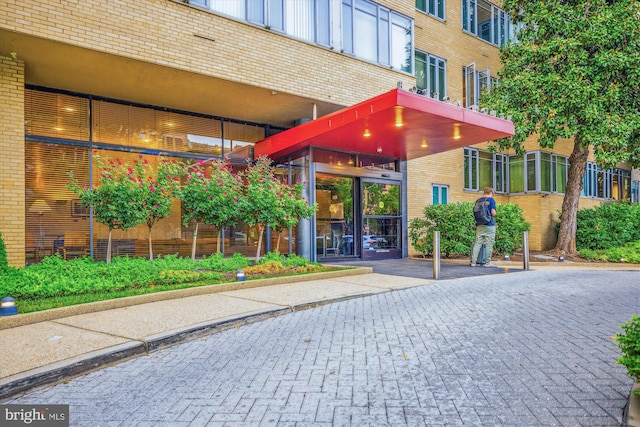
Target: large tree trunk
{"x":566,"y":244}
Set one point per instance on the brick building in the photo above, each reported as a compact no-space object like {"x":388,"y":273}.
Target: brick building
{"x":310,"y":83}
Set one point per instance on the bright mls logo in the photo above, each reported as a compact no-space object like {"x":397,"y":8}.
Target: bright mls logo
{"x":34,"y":415}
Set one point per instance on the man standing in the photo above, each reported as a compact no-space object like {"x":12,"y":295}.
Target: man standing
{"x":484,"y":211}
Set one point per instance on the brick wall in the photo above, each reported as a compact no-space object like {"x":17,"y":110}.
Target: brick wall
{"x":176,"y":35}
{"x":12,"y":210}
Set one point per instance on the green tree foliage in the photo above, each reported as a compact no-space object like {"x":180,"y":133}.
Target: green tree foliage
{"x":158,"y":185}
{"x":117,"y":201}
{"x":574,"y":73}
{"x":4,"y":264}
{"x":211,"y":195}
{"x":457,"y":227}
{"x":270,"y":202}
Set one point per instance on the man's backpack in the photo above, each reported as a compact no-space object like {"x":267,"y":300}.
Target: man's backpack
{"x":481,"y":211}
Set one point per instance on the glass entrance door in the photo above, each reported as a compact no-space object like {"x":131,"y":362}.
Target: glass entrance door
{"x":381,"y":220}
{"x":357,"y":217}
{"x":335,"y":215}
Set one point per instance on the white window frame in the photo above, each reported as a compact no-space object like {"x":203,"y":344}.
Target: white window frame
{"x":434,"y":8}
{"x":435,"y":80}
{"x":498,"y":25}
{"x":436,"y":194}
{"x":472,"y":166}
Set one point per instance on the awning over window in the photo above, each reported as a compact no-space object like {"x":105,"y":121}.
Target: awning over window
{"x":397,"y":124}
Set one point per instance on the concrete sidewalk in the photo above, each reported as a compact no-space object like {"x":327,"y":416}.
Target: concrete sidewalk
{"x":45,"y":347}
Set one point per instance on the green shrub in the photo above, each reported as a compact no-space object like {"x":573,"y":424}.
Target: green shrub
{"x":285,"y":260}
{"x":629,"y":344}
{"x":457,"y":227}
{"x":627,"y":253}
{"x":55,"y":277}
{"x":607,"y":226}
{"x":4,"y":264}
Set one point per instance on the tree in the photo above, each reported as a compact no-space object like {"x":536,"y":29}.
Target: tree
{"x":573,"y":73}
{"x":212,"y":197}
{"x":158,"y":186}
{"x":116,"y":201}
{"x":269,"y":202}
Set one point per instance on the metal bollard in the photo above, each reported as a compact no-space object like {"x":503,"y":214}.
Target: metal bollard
{"x":436,"y":255}
{"x":525,"y":250}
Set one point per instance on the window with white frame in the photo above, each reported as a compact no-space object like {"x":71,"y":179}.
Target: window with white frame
{"x":434,"y":8}
{"x":484,"y":169}
{"x":308,"y":20}
{"x":475,"y":82}
{"x":440,"y":194}
{"x":431,"y":74}
{"x":377,"y":34}
{"x":487,"y":21}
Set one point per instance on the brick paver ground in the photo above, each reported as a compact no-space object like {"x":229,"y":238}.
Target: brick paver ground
{"x":525,"y":349}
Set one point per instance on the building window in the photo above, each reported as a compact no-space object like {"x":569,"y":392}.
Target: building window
{"x":475,"y":82}
{"x":431,"y":74}
{"x":538,"y":171}
{"x":304,"y":19}
{"x":590,"y":180}
{"x":440,"y":194}
{"x":377,"y":34}
{"x":434,"y":8}
{"x":471,"y":169}
{"x":484,"y":169}
{"x":553,"y":172}
{"x":486,"y":21}
{"x":635,"y":196}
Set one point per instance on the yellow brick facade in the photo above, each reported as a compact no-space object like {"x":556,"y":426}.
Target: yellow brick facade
{"x":155,"y":51}
{"x":12,"y":210}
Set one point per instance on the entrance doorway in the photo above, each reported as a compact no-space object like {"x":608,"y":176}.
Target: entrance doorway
{"x":357,"y":217}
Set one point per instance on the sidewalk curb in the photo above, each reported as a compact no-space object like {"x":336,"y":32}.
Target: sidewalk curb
{"x":99,"y":359}
{"x":83,"y":364}
{"x":92,"y":307}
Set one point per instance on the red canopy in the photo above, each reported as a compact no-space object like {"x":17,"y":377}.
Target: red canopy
{"x":397,"y":124}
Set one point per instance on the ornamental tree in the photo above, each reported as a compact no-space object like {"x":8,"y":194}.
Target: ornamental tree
{"x":158,"y":186}
{"x":573,"y":74}
{"x":115,"y":201}
{"x":212,"y":196}
{"x":269,"y":202}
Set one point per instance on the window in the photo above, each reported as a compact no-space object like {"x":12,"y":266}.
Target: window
{"x":635,"y":196}
{"x":471,"y":169}
{"x":377,"y":34}
{"x":440,"y":194}
{"x":305,"y":19}
{"x":475,"y":82}
{"x":430,"y":74}
{"x":538,"y":171}
{"x":516,"y":174}
{"x":434,"y":8}
{"x":590,"y":180}
{"x":485,"y":169}
{"x":486,"y":21}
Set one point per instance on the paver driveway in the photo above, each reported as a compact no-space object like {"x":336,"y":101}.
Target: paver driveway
{"x":526,"y":349}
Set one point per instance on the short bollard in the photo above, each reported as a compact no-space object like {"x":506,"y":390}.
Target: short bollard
{"x":8,"y":306}
{"x":240,"y":276}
